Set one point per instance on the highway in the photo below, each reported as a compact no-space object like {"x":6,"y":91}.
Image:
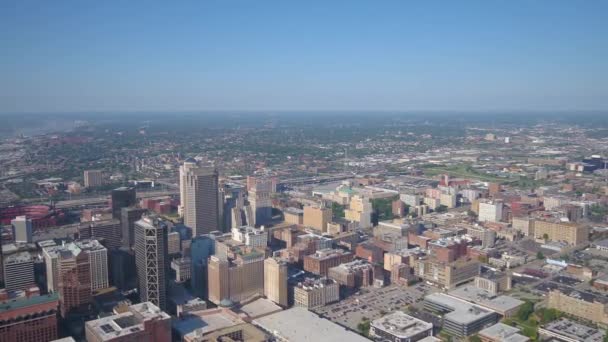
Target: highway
{"x":104,"y":199}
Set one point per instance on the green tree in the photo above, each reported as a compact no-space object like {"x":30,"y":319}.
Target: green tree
{"x":441,"y":209}
{"x":337,"y":209}
{"x":363,"y":327}
{"x":474,"y":338}
{"x":525,"y":311}
{"x":540,"y":255}
{"x":546,"y":237}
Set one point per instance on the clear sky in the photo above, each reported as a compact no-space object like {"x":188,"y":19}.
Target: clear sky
{"x":303,"y":55}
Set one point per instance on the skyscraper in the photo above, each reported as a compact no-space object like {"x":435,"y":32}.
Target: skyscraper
{"x":275,"y":281}
{"x":128,"y":217}
{"x":260,"y":201}
{"x":200,"y":199}
{"x":18,"y":271}
{"x":22,"y":229}
{"x":98,"y":262}
{"x":122,"y":197}
{"x":74,"y":277}
{"x":201,"y":249}
{"x":93,"y":178}
{"x":151,"y":259}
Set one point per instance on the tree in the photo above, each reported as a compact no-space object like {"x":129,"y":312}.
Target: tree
{"x":525,"y":311}
{"x":540,"y":255}
{"x":546,"y":237}
{"x":363,"y":327}
{"x":337,"y":209}
{"x":441,"y":209}
{"x":474,"y":338}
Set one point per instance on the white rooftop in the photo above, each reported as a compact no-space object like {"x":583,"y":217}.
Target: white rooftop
{"x":300,"y":325}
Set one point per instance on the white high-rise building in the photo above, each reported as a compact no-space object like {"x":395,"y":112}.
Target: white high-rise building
{"x":250,"y":236}
{"x":490,"y":211}
{"x":200,"y":201}
{"x":22,"y":229}
{"x":98,"y":261}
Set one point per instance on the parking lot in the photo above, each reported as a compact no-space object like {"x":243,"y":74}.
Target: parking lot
{"x":372,"y":303}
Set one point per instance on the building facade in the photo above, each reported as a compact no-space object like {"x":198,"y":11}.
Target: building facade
{"x":151,"y":260}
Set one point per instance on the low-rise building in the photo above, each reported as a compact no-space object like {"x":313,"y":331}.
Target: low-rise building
{"x":354,"y":274}
{"x":447,"y":275}
{"x":322,"y":260}
{"x":31,"y":319}
{"x":581,"y":304}
{"x":399,"y":327}
{"x":300,"y":325}
{"x":501,"y":332}
{"x":313,"y":293}
{"x":461,"y":318}
{"x":140,"y":322}
{"x":505,"y":306}
{"x":568,"y":330}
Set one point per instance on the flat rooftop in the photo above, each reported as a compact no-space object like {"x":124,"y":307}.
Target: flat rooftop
{"x":259,"y":307}
{"x":503,"y":332}
{"x":574,"y":330}
{"x":462,"y":312}
{"x":401,"y":324}
{"x":300,"y":325}
{"x":18,"y":303}
{"x":482,"y":297}
{"x":126,"y":323}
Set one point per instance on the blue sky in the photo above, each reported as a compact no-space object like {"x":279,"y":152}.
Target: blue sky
{"x":303,"y":55}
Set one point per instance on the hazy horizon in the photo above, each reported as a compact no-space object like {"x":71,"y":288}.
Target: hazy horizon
{"x":274,"y":56}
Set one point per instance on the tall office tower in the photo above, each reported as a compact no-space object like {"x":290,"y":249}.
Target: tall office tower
{"x":123,"y":273}
{"x":236,"y":279}
{"x":234,"y":200}
{"x":74,"y":281}
{"x":201,"y":248}
{"x":98,"y":261}
{"x":29,"y":319}
{"x":22,"y":229}
{"x":122,"y":197}
{"x":359,"y":210}
{"x":260,"y":201}
{"x":317,"y":217}
{"x":151,"y":259}
{"x":174,"y":243}
{"x":139,"y":322}
{"x":18,"y":271}
{"x":200,"y":201}
{"x":1,"y":264}
{"x":275,"y":281}
{"x":109,"y":232}
{"x":93,"y":178}
{"x":490,"y":211}
{"x":184,"y":169}
{"x":128,"y":217}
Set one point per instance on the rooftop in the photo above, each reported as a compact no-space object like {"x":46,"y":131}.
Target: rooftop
{"x":574,"y":330}
{"x":126,"y":323}
{"x":401,"y":325}
{"x":259,"y":307}
{"x":503,"y":332}
{"x":198,"y":323}
{"x":300,"y":325}
{"x":22,"y":302}
{"x":17,"y":258}
{"x":482,"y":297}
{"x":462,"y":312}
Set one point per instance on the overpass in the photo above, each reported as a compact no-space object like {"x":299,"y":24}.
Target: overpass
{"x":104,"y":199}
